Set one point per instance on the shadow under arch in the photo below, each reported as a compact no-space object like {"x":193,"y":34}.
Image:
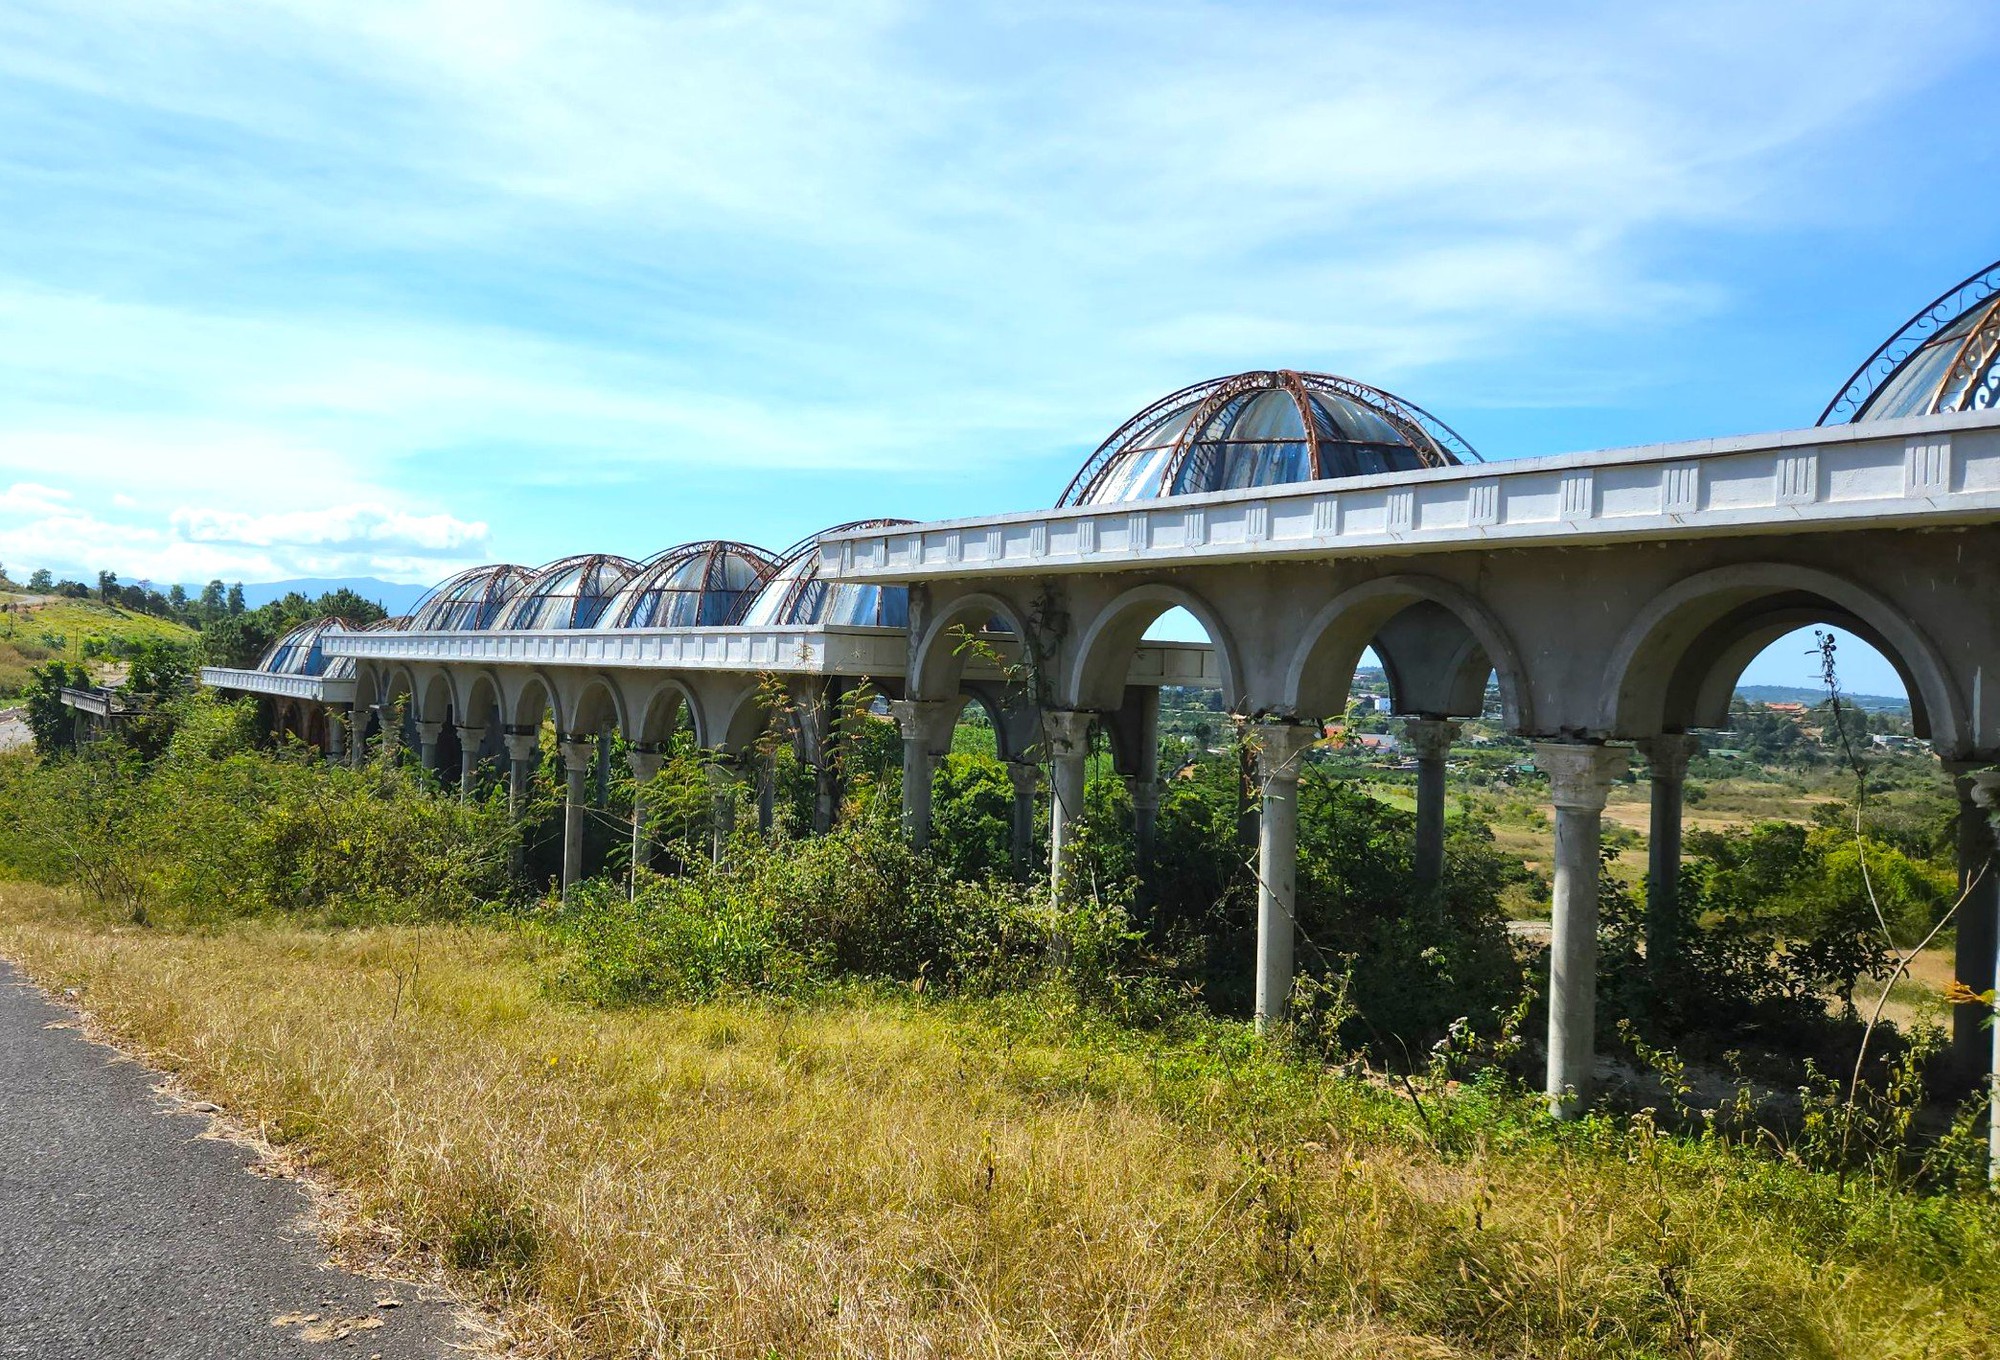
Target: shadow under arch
{"x":529,"y":698}
{"x":1103,"y":662}
{"x":655,"y":712}
{"x":1677,"y":663}
{"x":939,"y":664}
{"x":475,"y":697}
{"x":1470,"y":643}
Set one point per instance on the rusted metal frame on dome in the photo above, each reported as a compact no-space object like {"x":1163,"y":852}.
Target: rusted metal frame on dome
{"x":1188,"y":447}
{"x":1975,"y":355}
{"x":1090,"y":473}
{"x":1859,"y":391}
{"x":1409,"y":418}
{"x":1302,"y":399}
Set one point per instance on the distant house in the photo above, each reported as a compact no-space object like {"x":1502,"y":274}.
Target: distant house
{"x":1795,"y":711}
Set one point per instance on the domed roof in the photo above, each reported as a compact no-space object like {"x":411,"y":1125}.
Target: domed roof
{"x":300,"y":652}
{"x":696,"y":585}
{"x":1263,"y":429}
{"x":1945,"y":358}
{"x":470,"y":600}
{"x":571,"y":592}
{"x":796,"y":594}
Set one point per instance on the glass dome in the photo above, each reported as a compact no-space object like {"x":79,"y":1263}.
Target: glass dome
{"x":796,"y":593}
{"x":1945,"y":358}
{"x":571,"y":592}
{"x":300,"y":652}
{"x":1262,"y":429}
{"x":697,"y":585}
{"x":470,"y":600}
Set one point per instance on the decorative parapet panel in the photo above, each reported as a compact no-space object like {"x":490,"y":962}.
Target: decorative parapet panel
{"x":314,"y":688}
{"x":811,"y":651}
{"x":1927,"y":470}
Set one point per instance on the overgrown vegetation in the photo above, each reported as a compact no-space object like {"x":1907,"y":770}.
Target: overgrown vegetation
{"x":960,"y":1117}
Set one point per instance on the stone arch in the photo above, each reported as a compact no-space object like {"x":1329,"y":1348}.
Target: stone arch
{"x":735,"y":719}
{"x":591,"y":701}
{"x":1677,"y":662}
{"x":530,"y":696}
{"x":1103,"y":660}
{"x":476,"y":695}
{"x":655,"y":712}
{"x":435,"y":696}
{"x":938,"y":667}
{"x":1470,"y":640}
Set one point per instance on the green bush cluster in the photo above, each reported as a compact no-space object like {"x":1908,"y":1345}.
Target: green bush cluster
{"x":213,"y":827}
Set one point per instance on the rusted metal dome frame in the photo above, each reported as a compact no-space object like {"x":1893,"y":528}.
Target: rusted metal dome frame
{"x":809,"y":576}
{"x":502,"y":581}
{"x":309,"y":630}
{"x":582,"y":563}
{"x":717,"y":551}
{"x":1979,"y":348}
{"x":1435,"y":443}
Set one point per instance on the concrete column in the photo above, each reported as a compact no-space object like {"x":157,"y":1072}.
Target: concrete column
{"x":1430,"y":739}
{"x":926,"y":728}
{"x":767,"y":799}
{"x":1021,"y":830}
{"x":1986,"y":795}
{"x":1280,"y":752}
{"x":428,"y":732}
{"x":357,"y":748}
{"x":723,"y":779}
{"x":1579,"y":778}
{"x":1066,"y":736}
{"x":1145,"y":790}
{"x":1667,"y":758}
{"x":336,"y":733}
{"x":645,"y":762}
{"x":391,"y":737}
{"x":576,"y":755}
{"x":1978,"y":918}
{"x":470,"y":739}
{"x":524,"y":744}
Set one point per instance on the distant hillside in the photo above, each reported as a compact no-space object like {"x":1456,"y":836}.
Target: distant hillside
{"x":72,"y":630}
{"x":391,"y":595}
{"x":1794,"y":694}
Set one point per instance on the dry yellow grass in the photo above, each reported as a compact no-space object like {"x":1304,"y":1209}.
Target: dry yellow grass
{"x":902,"y":1179}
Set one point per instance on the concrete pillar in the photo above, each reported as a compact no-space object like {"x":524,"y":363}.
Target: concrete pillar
{"x":1986,"y":796}
{"x":1667,"y":758}
{"x":645,"y":762}
{"x":576,"y":755}
{"x":767,"y":799}
{"x":1978,"y":918}
{"x":524,"y":745}
{"x":1145,"y":790}
{"x":926,"y":728}
{"x":428,"y":732}
{"x":336,"y":733}
{"x":1280,"y":752}
{"x":357,"y":746}
{"x":1021,"y":829}
{"x":1579,"y":778}
{"x":1430,"y":740}
{"x":470,"y":739}
{"x":390,"y":721}
{"x":1066,"y":737}
{"x":723,"y":778}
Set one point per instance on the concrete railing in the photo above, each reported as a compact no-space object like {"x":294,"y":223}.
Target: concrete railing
{"x":315,"y":688}
{"x":1930,"y":470}
{"x":816,"y":651}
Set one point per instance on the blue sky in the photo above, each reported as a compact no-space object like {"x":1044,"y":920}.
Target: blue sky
{"x":295,"y":289}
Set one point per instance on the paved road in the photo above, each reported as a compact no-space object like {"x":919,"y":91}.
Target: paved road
{"x":124,"y":1233}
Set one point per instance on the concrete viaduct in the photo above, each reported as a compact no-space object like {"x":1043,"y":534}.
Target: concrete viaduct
{"x":1614,"y":597}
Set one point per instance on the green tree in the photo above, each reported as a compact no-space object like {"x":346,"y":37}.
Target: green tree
{"x":41,"y":580}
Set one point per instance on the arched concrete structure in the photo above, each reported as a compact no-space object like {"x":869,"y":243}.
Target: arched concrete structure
{"x":1666,"y":671}
{"x":1321,"y":669}
{"x":937,"y":660}
{"x":1109,"y":639}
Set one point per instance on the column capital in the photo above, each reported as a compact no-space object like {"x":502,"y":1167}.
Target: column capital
{"x":1580,"y":775}
{"x":644,"y":762}
{"x":429,"y":730}
{"x":1281,"y":747}
{"x":1067,"y":731}
{"x":1145,"y":790}
{"x":523,"y":743}
{"x":1430,"y":738}
{"x":577,"y":751}
{"x":1668,"y":754}
{"x":724,"y":769}
{"x":926,"y":720}
{"x":1986,"y":789}
{"x":471,"y":733}
{"x":1027,"y":776}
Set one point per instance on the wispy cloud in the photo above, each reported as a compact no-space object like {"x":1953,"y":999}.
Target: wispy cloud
{"x":456,"y":262}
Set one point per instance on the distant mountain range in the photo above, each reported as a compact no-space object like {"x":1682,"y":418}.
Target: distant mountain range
{"x":391,"y":595}
{"x":1793,"y":694}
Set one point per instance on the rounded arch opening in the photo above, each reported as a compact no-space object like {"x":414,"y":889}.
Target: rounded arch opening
{"x":942,"y":656}
{"x":1109,"y":646}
